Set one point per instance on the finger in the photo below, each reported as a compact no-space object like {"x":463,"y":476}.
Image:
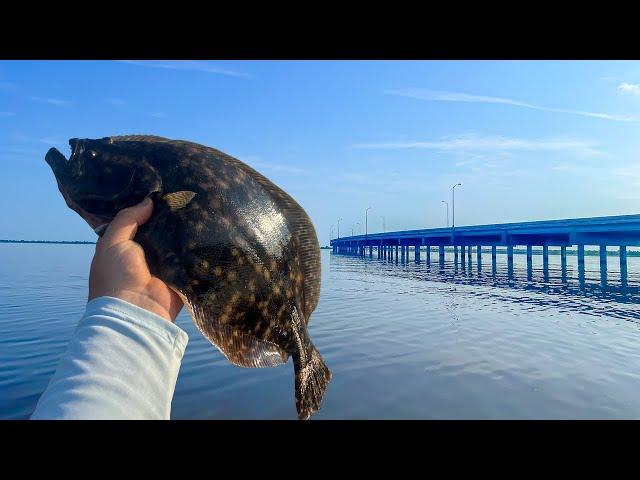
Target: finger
{"x":125,"y":224}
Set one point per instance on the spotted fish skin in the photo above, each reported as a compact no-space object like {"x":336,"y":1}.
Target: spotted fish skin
{"x":241,"y":253}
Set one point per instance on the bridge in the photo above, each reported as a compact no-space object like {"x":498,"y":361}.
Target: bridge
{"x":618,"y":231}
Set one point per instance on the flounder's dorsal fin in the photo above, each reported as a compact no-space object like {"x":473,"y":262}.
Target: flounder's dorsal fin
{"x":139,"y":138}
{"x":239,"y":348}
{"x":177,"y":200}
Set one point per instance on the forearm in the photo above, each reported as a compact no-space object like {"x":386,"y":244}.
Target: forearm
{"x":122,"y":363}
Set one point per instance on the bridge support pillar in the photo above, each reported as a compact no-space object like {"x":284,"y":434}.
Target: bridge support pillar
{"x":479,"y":257}
{"x":455,"y":254}
{"x":469,"y":255}
{"x":529,"y":256}
{"x":417,"y":253}
{"x":581,"y":266}
{"x":396,"y":253}
{"x":563,"y":259}
{"x":510,"y":260}
{"x":603,"y":263}
{"x":441,"y":254}
{"x":623,"y":266}
{"x":581,"y":259}
{"x":493,"y":258}
{"x":545,"y":261}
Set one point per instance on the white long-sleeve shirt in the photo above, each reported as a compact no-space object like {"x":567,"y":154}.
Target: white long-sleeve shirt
{"x":122,"y":363}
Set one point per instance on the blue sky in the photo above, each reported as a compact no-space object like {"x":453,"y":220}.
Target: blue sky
{"x":529,"y":140}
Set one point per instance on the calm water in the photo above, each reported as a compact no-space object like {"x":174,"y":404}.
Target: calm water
{"x":403,"y":341}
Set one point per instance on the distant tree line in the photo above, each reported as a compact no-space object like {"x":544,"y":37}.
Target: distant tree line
{"x":48,"y":241}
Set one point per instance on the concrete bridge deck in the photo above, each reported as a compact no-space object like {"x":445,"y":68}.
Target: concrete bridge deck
{"x":614,"y":231}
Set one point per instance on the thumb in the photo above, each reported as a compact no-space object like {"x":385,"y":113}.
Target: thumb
{"x":125,"y":224}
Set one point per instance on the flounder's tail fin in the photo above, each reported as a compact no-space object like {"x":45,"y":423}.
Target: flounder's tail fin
{"x":312,"y":377}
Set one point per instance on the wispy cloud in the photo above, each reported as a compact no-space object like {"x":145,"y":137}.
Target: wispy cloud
{"x":6,"y":114}
{"x":7,"y":86}
{"x":441,"y":96}
{"x":565,"y":167}
{"x":158,"y":115}
{"x":376,"y":182}
{"x":118,"y":102}
{"x":51,"y":101}
{"x":186,"y":65}
{"x":631,"y":172}
{"x":631,"y":88}
{"x":52,"y":140}
{"x":19,"y":151}
{"x":472,"y":142}
{"x":259,"y":164}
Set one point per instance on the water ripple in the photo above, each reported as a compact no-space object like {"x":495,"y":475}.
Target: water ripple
{"x":402,"y":340}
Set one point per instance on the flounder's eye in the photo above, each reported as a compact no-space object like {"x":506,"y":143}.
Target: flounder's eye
{"x":93,"y":154}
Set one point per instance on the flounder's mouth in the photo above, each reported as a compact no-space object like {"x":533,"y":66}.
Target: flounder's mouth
{"x":60,"y":165}
{"x":56,"y":161}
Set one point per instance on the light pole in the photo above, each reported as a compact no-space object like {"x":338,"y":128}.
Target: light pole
{"x":384,"y":228}
{"x":359,"y":228}
{"x":366,"y":221}
{"x":339,"y":220}
{"x":447,"y":204}
{"x":453,"y":205}
{"x":352,"y":232}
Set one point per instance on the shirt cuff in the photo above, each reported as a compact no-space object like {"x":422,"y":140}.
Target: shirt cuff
{"x":129,"y":312}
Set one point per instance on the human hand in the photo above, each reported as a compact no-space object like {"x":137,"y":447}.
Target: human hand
{"x":119,"y":268}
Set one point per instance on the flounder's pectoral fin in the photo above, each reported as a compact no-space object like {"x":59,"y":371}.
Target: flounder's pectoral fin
{"x":239,"y":348}
{"x":177,"y":200}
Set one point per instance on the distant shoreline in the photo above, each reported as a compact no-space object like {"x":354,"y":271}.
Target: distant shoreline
{"x":69,"y":242}
{"x":516,"y":251}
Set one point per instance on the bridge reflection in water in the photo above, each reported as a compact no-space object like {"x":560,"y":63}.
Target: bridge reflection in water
{"x":610,"y":235}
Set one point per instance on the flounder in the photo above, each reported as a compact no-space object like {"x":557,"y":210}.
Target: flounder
{"x":241,"y":253}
